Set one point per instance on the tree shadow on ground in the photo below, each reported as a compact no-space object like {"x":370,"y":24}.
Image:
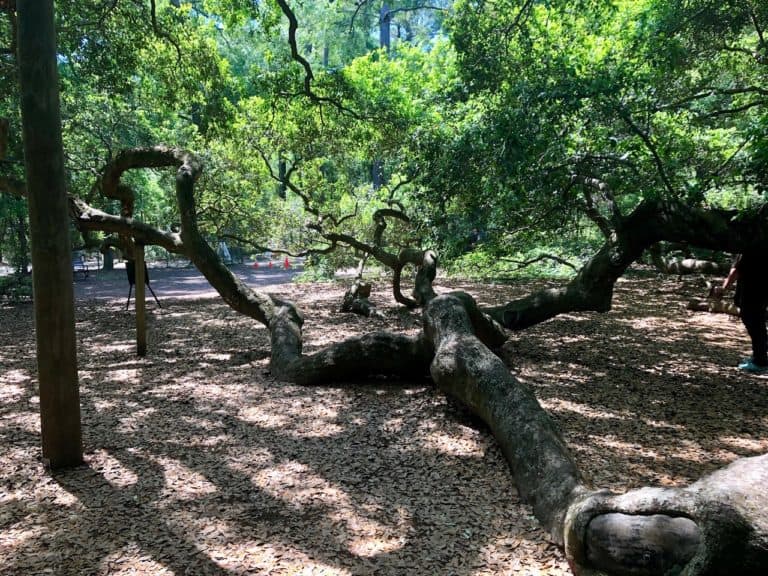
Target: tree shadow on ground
{"x":199,"y":463}
{"x":649,"y":392}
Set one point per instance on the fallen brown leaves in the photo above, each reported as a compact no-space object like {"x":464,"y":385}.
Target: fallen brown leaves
{"x":199,"y":463}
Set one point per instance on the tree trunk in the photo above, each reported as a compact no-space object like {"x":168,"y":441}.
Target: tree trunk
{"x":385,"y":21}
{"x":22,"y":256}
{"x":141,"y":301}
{"x":109,"y":259}
{"x":49,"y":224}
{"x":281,"y":171}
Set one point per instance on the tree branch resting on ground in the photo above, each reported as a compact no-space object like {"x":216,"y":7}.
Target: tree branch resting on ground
{"x":717,"y":525}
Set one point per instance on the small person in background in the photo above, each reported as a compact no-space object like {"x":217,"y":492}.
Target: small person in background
{"x":750,"y":272}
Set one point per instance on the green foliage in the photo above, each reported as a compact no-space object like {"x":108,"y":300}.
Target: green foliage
{"x":647,"y":98}
{"x":323,"y":267}
{"x":16,"y":288}
{"x":485,"y":115}
{"x":482,"y":265}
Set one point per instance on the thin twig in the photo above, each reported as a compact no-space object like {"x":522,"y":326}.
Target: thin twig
{"x":526,"y":263}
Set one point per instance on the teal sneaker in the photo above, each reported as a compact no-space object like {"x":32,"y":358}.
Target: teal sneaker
{"x":751,"y":367}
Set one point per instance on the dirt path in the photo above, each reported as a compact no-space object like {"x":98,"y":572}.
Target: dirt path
{"x":178,"y":283}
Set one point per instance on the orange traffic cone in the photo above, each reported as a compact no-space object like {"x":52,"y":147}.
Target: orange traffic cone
{"x":255,"y":264}
{"x":286,"y":263}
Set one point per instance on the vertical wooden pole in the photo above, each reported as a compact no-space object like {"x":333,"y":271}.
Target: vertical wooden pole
{"x":141,"y":317}
{"x":49,"y":235}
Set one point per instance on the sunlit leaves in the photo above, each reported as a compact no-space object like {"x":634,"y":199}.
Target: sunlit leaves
{"x":647,"y":97}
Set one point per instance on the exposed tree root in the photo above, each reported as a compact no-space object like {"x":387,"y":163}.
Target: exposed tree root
{"x":356,"y":300}
{"x":711,"y":305}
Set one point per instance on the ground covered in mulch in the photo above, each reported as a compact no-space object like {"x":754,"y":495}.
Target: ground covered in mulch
{"x":198,"y":462}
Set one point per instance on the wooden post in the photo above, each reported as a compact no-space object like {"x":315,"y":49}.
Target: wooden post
{"x":49,"y":227}
{"x":141,"y":307}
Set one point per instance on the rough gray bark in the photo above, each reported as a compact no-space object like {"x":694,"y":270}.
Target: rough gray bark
{"x":721,"y":527}
{"x":87,"y":218}
{"x":356,"y":300}
{"x":463,"y":367}
{"x":49,"y":226}
{"x":717,"y":526}
{"x":626,"y":544}
{"x":426,"y":263}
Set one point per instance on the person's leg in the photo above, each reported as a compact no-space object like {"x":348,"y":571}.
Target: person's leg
{"x":753,"y":317}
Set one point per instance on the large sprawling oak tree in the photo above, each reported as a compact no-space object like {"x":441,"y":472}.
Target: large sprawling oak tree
{"x":642,"y":120}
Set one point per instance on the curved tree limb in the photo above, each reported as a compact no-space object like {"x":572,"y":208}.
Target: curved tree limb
{"x":423,"y":288}
{"x":87,"y":218}
{"x":109,"y":184}
{"x":234,"y":291}
{"x":607,"y":226}
{"x":651,"y":221}
{"x":545,"y":472}
{"x":259,"y":248}
{"x":716,"y":526}
{"x":293,"y":26}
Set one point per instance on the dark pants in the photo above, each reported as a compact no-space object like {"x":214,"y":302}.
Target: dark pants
{"x":753,"y":317}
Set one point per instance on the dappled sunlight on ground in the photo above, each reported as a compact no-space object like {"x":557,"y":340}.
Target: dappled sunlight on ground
{"x":198,"y":462}
{"x":669,"y":373}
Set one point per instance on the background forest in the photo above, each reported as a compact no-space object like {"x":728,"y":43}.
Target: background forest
{"x":548,"y":138}
{"x":529,"y":126}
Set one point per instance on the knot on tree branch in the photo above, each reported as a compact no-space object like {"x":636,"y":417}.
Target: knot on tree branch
{"x":709,"y":527}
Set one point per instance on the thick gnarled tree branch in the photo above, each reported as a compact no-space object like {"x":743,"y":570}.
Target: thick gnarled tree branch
{"x":652,"y":221}
{"x":716,"y":526}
